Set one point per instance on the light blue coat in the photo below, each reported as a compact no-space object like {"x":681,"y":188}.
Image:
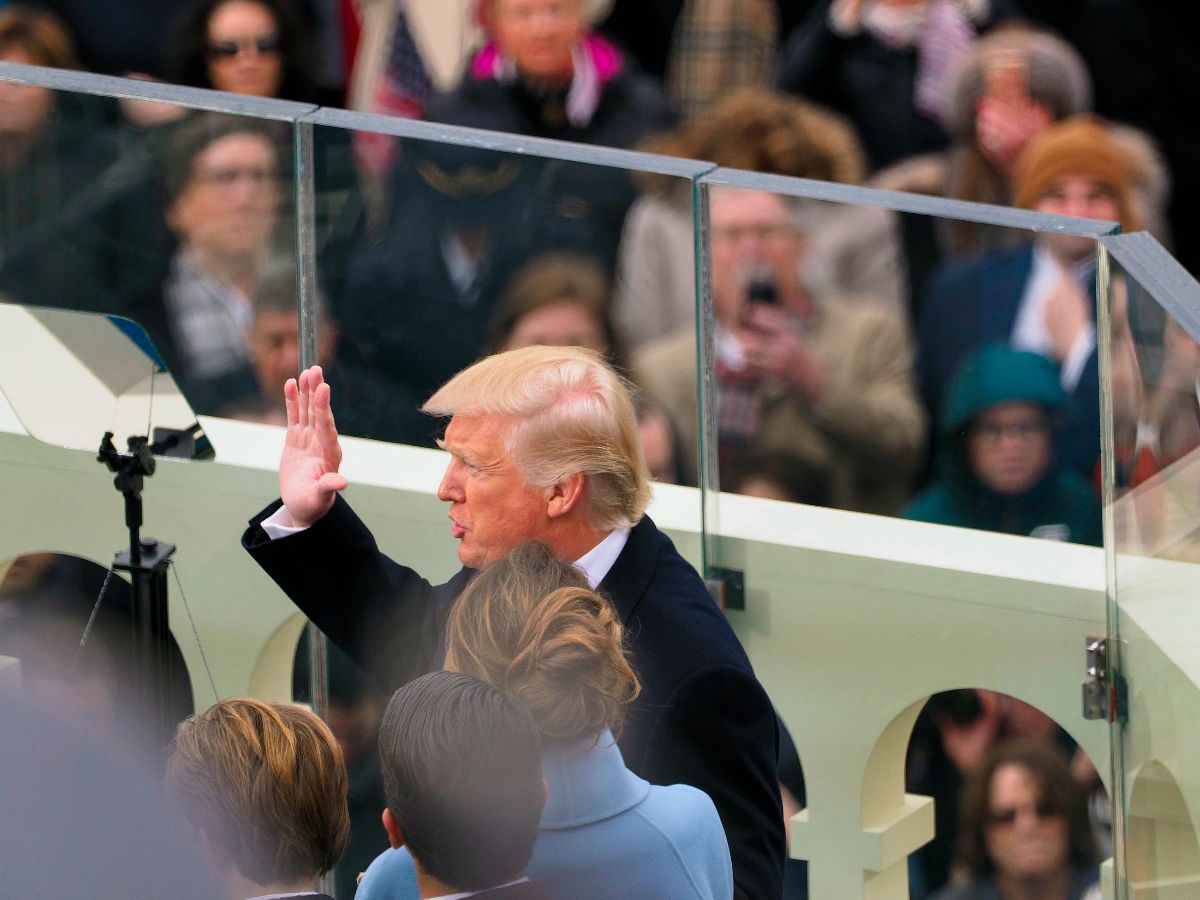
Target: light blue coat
{"x":604,"y":833}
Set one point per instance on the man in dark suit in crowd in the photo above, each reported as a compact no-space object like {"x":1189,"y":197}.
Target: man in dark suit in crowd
{"x":462,"y":772}
{"x":543,"y":445}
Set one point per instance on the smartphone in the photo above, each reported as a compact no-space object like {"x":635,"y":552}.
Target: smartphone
{"x":762,"y":290}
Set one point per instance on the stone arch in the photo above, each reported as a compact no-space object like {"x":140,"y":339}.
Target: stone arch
{"x":271,"y":678}
{"x":1162,"y":857}
{"x":899,"y":823}
{"x":50,"y":597}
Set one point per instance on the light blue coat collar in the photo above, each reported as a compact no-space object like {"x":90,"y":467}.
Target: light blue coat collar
{"x":588,"y":783}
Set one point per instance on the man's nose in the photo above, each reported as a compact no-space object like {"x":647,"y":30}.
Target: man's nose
{"x":449,"y":490}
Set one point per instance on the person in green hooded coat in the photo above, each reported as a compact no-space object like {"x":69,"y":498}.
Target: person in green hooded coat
{"x":997,"y":465}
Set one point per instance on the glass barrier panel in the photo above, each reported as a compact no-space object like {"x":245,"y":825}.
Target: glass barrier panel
{"x":162,"y":205}
{"x":855,"y":359}
{"x":849,"y":349}
{"x":434,"y":246}
{"x":1153,"y":506}
{"x":136,"y":221}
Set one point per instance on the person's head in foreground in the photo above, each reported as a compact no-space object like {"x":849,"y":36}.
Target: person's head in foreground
{"x":1025,"y":822}
{"x":463,"y":781}
{"x":264,"y":787}
{"x":544,"y":446}
{"x":530,"y":626}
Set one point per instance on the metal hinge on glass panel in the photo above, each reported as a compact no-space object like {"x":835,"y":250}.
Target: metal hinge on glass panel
{"x":1103,"y":691}
{"x":727,"y":587}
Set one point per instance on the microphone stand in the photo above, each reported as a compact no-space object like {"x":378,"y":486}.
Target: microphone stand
{"x":146,"y":562}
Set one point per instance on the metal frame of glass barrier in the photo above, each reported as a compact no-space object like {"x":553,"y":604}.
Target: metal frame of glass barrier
{"x":1152,"y":688}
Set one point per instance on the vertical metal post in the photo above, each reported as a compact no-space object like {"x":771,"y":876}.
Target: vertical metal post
{"x":1108,"y":469}
{"x":306,"y":276}
{"x":708,"y":479}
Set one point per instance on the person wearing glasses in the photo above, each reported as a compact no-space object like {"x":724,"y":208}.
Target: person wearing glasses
{"x":996,"y":465}
{"x":255,"y":47}
{"x":1025,"y":832}
{"x":222,"y":183}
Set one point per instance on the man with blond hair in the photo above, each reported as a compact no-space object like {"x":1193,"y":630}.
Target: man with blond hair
{"x":264,"y":787}
{"x":543,"y":447}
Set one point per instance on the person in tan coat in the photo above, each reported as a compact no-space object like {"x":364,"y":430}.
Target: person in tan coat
{"x":827,"y":380}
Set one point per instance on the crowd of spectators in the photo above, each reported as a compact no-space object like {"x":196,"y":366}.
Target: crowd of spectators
{"x":839,"y":327}
{"x":867,"y":360}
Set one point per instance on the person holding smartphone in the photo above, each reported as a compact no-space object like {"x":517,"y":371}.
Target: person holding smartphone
{"x":824,"y":380}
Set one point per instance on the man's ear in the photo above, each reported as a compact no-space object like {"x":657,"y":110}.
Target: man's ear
{"x":563,"y":496}
{"x":392,"y":827}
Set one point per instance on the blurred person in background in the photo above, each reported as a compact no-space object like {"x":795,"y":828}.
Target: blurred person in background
{"x":275,"y":342}
{"x":367,"y":405}
{"x":531,"y":627}
{"x":1038,"y":297}
{"x":222,"y":182}
{"x":72,"y":630}
{"x":855,"y":250}
{"x":885,"y":65}
{"x":51,"y":153}
{"x":997,"y":464}
{"x":263,"y":48}
{"x":1024,"y":832}
{"x":419,"y":297}
{"x":772,"y":476}
{"x":543,"y":72}
{"x":557,"y":300}
{"x":826,"y":379}
{"x":263,"y":788}
{"x":659,"y":443}
{"x":254,"y":47}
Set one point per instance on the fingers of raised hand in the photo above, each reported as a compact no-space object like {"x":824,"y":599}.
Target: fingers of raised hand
{"x":291,"y":401}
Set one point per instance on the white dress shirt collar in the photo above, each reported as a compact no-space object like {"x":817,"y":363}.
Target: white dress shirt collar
{"x":597,"y":562}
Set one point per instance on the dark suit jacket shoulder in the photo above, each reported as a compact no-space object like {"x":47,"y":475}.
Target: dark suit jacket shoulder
{"x":386,"y":617}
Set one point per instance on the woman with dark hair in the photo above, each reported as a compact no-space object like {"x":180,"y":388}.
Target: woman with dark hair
{"x":255,"y":47}
{"x":1025,"y":829}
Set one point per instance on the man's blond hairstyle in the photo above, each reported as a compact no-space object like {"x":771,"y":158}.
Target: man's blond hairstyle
{"x":570,"y":413}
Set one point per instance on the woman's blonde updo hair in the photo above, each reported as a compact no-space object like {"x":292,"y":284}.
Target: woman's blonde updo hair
{"x":530,"y":626}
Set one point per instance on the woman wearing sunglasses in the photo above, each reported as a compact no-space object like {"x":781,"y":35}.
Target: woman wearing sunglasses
{"x":1024,"y":833}
{"x":254,"y":47}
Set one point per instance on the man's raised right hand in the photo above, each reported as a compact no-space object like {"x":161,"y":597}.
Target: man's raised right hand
{"x":308,"y":469}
